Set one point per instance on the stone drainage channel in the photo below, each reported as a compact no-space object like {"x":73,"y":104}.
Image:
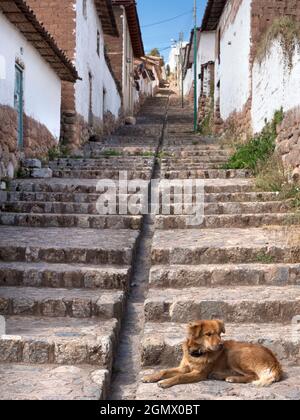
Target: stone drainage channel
{"x":127,"y":364}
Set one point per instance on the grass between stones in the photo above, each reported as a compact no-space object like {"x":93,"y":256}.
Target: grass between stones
{"x":258,"y":150}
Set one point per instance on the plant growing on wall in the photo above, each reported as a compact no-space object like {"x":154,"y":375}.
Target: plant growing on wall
{"x":287,"y":31}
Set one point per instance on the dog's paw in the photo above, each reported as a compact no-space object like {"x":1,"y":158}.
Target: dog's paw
{"x":147,"y":380}
{"x":230,"y":380}
{"x":164,"y":384}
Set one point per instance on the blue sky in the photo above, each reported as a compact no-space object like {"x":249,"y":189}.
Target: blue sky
{"x":152,"y":11}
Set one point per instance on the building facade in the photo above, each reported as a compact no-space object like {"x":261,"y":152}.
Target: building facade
{"x":123,"y":50}
{"x":256,"y":69}
{"x":32,"y":71}
{"x":91,"y":106}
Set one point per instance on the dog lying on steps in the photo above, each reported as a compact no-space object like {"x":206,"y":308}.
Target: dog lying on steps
{"x":206,"y":356}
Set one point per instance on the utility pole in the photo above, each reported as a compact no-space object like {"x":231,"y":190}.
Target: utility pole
{"x":195,"y":70}
{"x":181,"y":66}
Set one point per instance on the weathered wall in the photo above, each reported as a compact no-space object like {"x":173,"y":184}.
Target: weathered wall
{"x":41,"y":100}
{"x":233,"y":69}
{"x":274,"y":85}
{"x":40,"y":103}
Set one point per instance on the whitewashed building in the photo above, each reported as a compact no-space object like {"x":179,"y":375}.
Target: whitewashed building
{"x":32,"y":69}
{"x":255,"y":73}
{"x":93,"y":105}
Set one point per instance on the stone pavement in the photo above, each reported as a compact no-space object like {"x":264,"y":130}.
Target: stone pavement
{"x":65,"y":270}
{"x":92,"y":302}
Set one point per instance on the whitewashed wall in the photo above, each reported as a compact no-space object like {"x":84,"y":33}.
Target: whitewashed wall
{"x":274,"y":86}
{"x":88,"y":61}
{"x":233,"y":72}
{"x":188,"y":81}
{"x":206,"y":52}
{"x":42,"y":87}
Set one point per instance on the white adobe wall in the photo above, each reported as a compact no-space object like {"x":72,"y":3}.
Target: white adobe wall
{"x":274,"y":86}
{"x":87,"y":60}
{"x":206,"y":52}
{"x":188,"y":81}
{"x":233,"y":72}
{"x":42,"y":86}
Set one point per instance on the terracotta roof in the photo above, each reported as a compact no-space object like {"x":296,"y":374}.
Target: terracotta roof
{"x":20,"y":15}
{"x":107,"y":17}
{"x":134,"y":25}
{"x":213,"y":12}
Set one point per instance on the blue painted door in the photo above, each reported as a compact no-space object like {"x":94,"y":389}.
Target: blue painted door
{"x":19,"y":103}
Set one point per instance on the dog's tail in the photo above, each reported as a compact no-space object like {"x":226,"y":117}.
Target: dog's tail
{"x":269,"y":376}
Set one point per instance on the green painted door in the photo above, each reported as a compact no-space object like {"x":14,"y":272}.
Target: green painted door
{"x":19,"y":103}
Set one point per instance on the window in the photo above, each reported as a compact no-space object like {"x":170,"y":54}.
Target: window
{"x":98,"y":43}
{"x":84,"y":8}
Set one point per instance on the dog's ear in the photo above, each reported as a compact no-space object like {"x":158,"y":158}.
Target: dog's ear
{"x":195,"y":328}
{"x":221,"y":325}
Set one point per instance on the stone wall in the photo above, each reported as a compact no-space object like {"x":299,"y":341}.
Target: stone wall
{"x":37,"y":141}
{"x":288,"y":140}
{"x":9,"y":154}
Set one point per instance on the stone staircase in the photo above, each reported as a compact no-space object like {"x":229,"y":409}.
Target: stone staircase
{"x":65,"y":270}
{"x":240,"y":265}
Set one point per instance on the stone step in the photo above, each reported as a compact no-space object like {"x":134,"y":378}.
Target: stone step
{"x":88,"y":186}
{"x":162,"y":343}
{"x":194,"y":153}
{"x":58,"y":245}
{"x":227,"y":208}
{"x":61,"y":341}
{"x":76,"y":199}
{"x":198,"y":166}
{"x":206,"y":174}
{"x":113,"y":174}
{"x":288,"y":389}
{"x":53,"y":382}
{"x":141,"y":130}
{"x":74,"y":303}
{"x":103,"y":161}
{"x":59,"y":208}
{"x":93,"y":152}
{"x":243,"y":197}
{"x":225,"y":246}
{"x":114,"y":222}
{"x":214,"y":275}
{"x":237,"y":220}
{"x":64,"y":276}
{"x":254,"y":304}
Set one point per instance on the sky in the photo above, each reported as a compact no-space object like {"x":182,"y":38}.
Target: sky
{"x":159,"y":36}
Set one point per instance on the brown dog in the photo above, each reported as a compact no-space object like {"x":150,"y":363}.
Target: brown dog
{"x":206,"y":356}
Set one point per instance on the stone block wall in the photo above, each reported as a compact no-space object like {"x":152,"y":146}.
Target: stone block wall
{"x":9,"y":154}
{"x":37,"y":141}
{"x":288,"y":140}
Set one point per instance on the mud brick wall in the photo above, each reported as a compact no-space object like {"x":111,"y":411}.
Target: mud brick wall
{"x":114,"y":47}
{"x":59,"y":18}
{"x":265,"y":12}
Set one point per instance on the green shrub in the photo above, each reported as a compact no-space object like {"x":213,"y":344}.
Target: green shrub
{"x":258,"y":150}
